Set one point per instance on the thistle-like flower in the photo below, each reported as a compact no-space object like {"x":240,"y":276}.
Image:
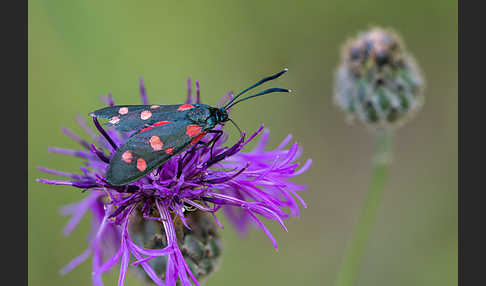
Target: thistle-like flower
{"x":164,"y":224}
{"x":377,"y":81}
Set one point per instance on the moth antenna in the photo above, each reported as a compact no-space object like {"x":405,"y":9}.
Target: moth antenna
{"x":266,"y":91}
{"x":258,"y":83}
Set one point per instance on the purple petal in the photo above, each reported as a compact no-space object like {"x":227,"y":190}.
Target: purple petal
{"x":263,"y":140}
{"x":98,"y":153}
{"x":262,"y":226}
{"x":109,"y":263}
{"x":80,"y":210}
{"x":76,"y":261}
{"x":108,"y":100}
{"x":80,"y":120}
{"x":55,"y":182}
{"x":123,"y":267}
{"x":198,"y":92}
{"x":80,"y":154}
{"x":226,"y":98}
{"x":148,"y":269}
{"x":75,"y":137}
{"x":143,"y":94}
{"x":189,"y":91}
{"x":304,"y":168}
{"x":97,"y":258}
{"x":59,"y":173}
{"x":285,"y":142}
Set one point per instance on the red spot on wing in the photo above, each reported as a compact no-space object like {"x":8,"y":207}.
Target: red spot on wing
{"x":193,"y":130}
{"x":198,"y":137}
{"x":141,"y":164}
{"x":127,"y":156}
{"x":146,"y":114}
{"x":160,"y":123}
{"x":114,"y":120}
{"x":169,"y":151}
{"x":185,"y":107}
{"x":156,"y":143}
{"x":123,"y":110}
{"x":154,"y":106}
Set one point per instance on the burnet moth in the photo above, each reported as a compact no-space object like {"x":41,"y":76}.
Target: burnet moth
{"x":163,"y":131}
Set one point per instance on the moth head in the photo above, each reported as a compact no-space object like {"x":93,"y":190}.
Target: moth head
{"x":221,"y":115}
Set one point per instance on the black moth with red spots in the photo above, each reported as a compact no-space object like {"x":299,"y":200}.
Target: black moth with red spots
{"x":162,"y":132}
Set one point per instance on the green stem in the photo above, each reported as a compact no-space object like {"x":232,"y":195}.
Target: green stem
{"x":351,"y":263}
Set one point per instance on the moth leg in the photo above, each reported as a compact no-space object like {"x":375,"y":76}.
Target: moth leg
{"x":205,"y":144}
{"x":215,"y":139}
{"x":211,"y":142}
{"x":190,"y":151}
{"x":194,"y":149}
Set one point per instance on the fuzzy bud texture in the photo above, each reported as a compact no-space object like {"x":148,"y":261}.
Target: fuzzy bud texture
{"x":377,"y":81}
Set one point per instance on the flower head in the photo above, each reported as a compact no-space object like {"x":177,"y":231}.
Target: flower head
{"x":164,"y":223}
{"x":378,"y":82}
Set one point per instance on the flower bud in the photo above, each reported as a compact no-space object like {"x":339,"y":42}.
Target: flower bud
{"x":200,"y":245}
{"x":377,"y":81}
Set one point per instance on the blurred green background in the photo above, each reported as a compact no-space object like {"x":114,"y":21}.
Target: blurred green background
{"x":81,"y":49}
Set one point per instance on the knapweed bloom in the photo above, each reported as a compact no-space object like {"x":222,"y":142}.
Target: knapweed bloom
{"x":378,"y":81}
{"x":164,"y":224}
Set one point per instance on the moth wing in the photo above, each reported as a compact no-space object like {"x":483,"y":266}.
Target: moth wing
{"x":135,"y":117}
{"x":146,"y":150}
{"x":117,"y":110}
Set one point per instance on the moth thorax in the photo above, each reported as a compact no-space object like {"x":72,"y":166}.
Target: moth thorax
{"x":199,"y":114}
{"x":221,"y":116}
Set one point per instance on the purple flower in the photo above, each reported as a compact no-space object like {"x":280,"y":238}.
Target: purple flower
{"x":246,"y":186}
